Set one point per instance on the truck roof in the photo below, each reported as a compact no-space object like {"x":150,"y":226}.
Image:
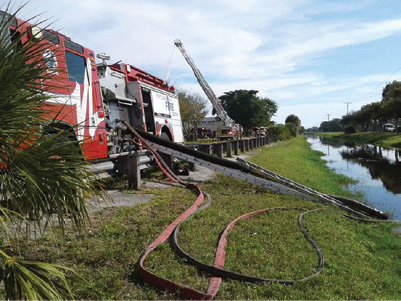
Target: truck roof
{"x":136,"y":74}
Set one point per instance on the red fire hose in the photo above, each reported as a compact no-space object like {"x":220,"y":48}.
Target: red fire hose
{"x":217,"y":270}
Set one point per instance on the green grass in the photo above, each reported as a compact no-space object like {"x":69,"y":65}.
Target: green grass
{"x":295,"y":160}
{"x":362,"y":261}
{"x":390,"y":140}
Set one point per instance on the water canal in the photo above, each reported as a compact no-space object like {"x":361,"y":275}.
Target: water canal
{"x":377,"y":170}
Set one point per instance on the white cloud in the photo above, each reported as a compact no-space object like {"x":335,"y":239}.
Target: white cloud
{"x":266,"y":45}
{"x":310,"y":114}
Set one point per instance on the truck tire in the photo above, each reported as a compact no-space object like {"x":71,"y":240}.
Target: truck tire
{"x":70,"y":137}
{"x":165,"y":136}
{"x":165,"y":157}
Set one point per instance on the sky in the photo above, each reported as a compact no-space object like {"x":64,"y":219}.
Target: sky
{"x":314,"y":58}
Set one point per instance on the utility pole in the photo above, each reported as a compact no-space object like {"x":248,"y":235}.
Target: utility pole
{"x":347,"y":103}
{"x":328,"y":122}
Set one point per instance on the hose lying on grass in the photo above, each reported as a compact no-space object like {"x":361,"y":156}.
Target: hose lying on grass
{"x":217,"y":270}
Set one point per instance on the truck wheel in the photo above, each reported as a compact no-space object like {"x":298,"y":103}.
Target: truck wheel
{"x":70,"y":138}
{"x":165,"y":136}
{"x":166,"y":157}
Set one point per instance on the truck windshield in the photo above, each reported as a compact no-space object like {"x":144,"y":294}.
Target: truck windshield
{"x":5,"y":36}
{"x":4,"y":30}
{"x":5,"y":21}
{"x":12,"y":21}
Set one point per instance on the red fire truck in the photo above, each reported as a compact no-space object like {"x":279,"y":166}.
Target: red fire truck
{"x":97,"y":96}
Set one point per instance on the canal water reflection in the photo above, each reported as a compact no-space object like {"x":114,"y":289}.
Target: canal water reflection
{"x":377,"y":170}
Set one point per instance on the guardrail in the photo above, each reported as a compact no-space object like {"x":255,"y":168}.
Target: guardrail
{"x":121,"y":164}
{"x":131,"y":163}
{"x":230,"y":147}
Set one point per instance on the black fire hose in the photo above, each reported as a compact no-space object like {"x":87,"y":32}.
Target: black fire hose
{"x":217,"y":271}
{"x":220,"y":272}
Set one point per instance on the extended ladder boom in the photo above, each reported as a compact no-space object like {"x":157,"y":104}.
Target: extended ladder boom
{"x":254,"y":174}
{"x":227,"y":121}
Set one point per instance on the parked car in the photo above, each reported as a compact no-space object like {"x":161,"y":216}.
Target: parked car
{"x":389,"y":127}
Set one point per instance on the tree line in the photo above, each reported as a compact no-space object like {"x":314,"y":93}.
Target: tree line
{"x":244,"y":106}
{"x":371,"y":116}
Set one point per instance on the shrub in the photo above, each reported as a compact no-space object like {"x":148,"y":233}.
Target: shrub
{"x":349,"y":129}
{"x":280,"y":131}
{"x":292,"y":128}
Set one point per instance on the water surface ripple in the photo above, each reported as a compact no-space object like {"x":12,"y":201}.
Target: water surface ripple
{"x":377,"y":170}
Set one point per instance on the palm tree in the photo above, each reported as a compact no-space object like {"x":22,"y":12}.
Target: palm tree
{"x":43,"y":176}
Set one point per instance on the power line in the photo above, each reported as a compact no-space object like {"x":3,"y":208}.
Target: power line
{"x":380,"y":85}
{"x":364,"y":97}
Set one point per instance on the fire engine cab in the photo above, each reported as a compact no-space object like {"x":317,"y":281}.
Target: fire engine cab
{"x":97,"y":96}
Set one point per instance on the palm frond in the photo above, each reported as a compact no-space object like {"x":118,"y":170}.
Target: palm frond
{"x":34,"y":280}
{"x":43,"y":174}
{"x":42,"y":170}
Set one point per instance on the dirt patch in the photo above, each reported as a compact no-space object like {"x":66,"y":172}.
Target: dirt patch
{"x":116,"y":198}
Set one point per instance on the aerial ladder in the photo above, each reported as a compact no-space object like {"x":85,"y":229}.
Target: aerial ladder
{"x":216,"y":103}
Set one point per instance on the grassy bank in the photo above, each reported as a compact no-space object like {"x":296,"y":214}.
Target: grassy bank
{"x":391,"y":140}
{"x":362,"y":261}
{"x":295,"y":160}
